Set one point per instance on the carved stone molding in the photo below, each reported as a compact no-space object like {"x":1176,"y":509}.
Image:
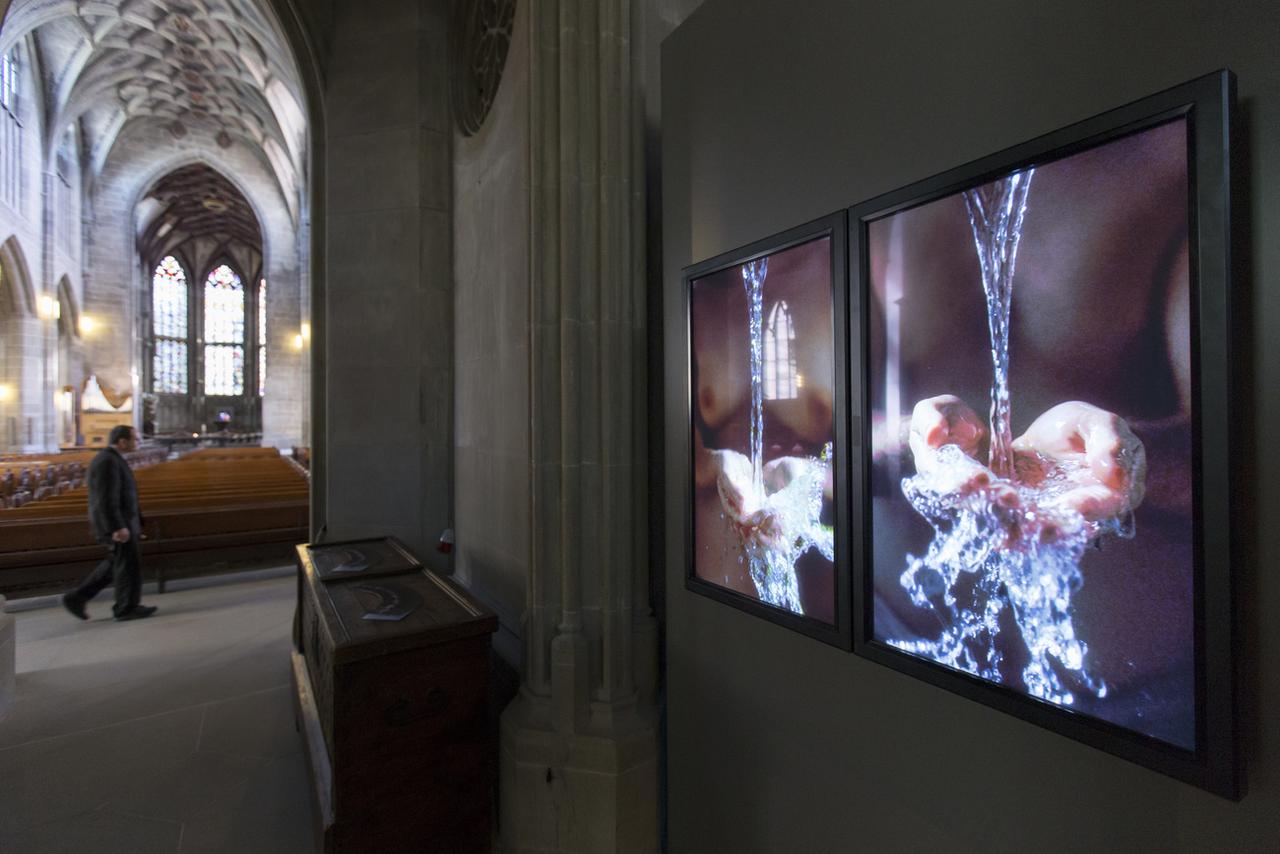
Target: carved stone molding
{"x":480,"y":38}
{"x":579,"y":757}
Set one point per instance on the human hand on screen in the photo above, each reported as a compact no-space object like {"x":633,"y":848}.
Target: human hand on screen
{"x":948,"y":420}
{"x":1103,"y":461}
{"x":745,"y":503}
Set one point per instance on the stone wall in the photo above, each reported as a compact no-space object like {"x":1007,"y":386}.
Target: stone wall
{"x":786,"y":111}
{"x":386,"y":464}
{"x":116,"y":285}
{"x":491,"y":270}
{"x":31,"y":268}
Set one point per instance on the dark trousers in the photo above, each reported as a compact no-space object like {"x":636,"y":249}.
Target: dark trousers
{"x":121,"y":565}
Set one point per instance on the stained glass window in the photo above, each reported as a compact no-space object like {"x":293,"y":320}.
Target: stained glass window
{"x":223,"y":307}
{"x":169,"y":367}
{"x":10,"y":132}
{"x":780,"y":377}
{"x":262,"y":338}
{"x":169,"y":327}
{"x":169,"y":299}
{"x":9,"y":83}
{"x":223,"y":332}
{"x":223,"y":369}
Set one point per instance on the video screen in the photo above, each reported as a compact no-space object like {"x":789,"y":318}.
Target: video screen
{"x":1030,"y":386}
{"x":762,"y":354}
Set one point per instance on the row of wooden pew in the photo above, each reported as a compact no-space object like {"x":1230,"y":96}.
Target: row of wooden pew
{"x":25,"y":478}
{"x":209,"y":508}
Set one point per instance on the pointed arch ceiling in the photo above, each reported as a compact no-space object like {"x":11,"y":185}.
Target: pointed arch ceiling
{"x":220,"y":65}
{"x":197,"y":202}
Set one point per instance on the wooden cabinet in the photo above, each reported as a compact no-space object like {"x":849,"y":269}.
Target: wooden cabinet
{"x":391,"y":670}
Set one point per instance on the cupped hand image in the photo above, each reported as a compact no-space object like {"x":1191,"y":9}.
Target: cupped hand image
{"x":1076,"y":455}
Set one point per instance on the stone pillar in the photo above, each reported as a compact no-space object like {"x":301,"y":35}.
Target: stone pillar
{"x":8,"y":647}
{"x":386,"y":321}
{"x":579,"y":760}
{"x":48,"y":327}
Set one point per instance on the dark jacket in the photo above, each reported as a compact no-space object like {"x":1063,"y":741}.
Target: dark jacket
{"x":113,"y":496}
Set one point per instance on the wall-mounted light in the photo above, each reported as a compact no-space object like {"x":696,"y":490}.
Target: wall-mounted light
{"x":87,"y":325}
{"x":6,"y":392}
{"x":49,"y":308}
{"x":306,"y":332}
{"x":297,"y":341}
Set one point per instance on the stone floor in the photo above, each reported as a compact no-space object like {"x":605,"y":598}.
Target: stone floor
{"x":173,"y":733}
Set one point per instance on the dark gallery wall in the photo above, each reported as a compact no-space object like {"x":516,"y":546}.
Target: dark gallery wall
{"x":775,"y":113}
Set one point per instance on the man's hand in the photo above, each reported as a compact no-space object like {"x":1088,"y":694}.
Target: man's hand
{"x":947,"y":420}
{"x":121,"y":535}
{"x":1108,"y":463}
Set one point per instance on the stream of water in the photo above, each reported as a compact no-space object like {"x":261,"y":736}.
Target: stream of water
{"x":1007,"y":555}
{"x":781,"y":513}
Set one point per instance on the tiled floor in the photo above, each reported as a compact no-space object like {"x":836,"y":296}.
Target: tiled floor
{"x":173,"y":733}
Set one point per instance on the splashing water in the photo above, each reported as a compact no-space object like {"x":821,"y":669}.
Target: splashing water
{"x":778,"y":516}
{"x":1011,"y":550}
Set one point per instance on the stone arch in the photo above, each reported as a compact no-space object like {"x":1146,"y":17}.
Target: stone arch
{"x":68,"y":305}
{"x":15,"y":279}
{"x":20,"y":354}
{"x":151,"y":176}
{"x":294,"y":28}
{"x":306,"y":57}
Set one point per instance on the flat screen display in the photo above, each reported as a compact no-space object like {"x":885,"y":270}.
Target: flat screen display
{"x":762,"y":357}
{"x":1030,"y":387}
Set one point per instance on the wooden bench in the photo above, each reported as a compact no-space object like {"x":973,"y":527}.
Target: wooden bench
{"x":215,"y":504}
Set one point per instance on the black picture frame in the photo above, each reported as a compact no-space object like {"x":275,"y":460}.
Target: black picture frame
{"x":1208,"y":106}
{"x":835,"y":228}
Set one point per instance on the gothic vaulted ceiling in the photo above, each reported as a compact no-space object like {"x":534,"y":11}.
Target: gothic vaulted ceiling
{"x":216,"y":65}
{"x":195,"y":201}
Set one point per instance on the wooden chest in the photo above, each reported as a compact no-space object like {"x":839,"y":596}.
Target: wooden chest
{"x":391,"y":672}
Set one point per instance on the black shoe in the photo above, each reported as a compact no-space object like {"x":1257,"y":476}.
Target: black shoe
{"x":75,"y":606}
{"x":139,"y":612}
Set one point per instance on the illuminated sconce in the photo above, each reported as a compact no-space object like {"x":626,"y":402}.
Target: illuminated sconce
{"x":306,"y":332}
{"x":49,"y":308}
{"x":87,"y":325}
{"x":6,"y":392}
{"x":297,"y":341}
{"x":799,"y":381}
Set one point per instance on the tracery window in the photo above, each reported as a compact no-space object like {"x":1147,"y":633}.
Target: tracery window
{"x":262,"y":338}
{"x":169,"y":293}
{"x":9,"y":84}
{"x":10,"y":130}
{"x":223,"y":332}
{"x":64,"y":214}
{"x":780,"y":377}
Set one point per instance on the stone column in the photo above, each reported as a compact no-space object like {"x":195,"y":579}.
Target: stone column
{"x":579,"y":762}
{"x":48,"y":328}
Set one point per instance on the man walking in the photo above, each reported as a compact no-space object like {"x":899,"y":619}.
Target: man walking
{"x":117,"y":524}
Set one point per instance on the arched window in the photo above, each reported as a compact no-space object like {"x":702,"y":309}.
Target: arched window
{"x":9,"y":83}
{"x":223,"y":332}
{"x":262,"y":338}
{"x":10,"y":130}
{"x":780,"y":378}
{"x":169,"y":293}
{"x":67,"y":167}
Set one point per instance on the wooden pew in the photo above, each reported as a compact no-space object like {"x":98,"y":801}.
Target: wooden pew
{"x":211,"y":505}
